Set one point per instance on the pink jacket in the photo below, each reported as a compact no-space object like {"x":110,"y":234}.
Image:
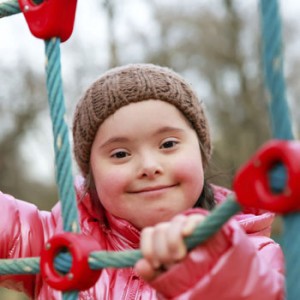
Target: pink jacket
{"x":239,"y":262}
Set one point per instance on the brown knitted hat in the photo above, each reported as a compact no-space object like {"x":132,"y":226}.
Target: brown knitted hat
{"x":133,"y":83}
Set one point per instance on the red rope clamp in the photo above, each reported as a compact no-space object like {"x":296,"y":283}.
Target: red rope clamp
{"x":80,"y":276}
{"x":51,"y":18}
{"x":251,"y":183}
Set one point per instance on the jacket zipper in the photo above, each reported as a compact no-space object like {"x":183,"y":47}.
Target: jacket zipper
{"x":133,"y":286}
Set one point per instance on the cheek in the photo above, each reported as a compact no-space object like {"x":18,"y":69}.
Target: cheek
{"x":190,"y":173}
{"x":110,"y":183}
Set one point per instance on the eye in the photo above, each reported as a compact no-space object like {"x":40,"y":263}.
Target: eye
{"x":120,"y":154}
{"x":168,"y":144}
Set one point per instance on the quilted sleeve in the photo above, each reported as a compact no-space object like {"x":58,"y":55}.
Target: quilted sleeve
{"x":23,"y":229}
{"x":230,"y":265}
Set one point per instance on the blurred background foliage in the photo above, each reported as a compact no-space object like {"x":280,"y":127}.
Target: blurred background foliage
{"x":215,"y":45}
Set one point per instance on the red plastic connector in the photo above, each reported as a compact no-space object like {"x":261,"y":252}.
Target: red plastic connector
{"x":80,"y":276}
{"x":51,"y":18}
{"x":251,"y":183}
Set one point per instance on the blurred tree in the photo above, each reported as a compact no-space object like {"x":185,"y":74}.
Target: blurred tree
{"x":21,"y":102}
{"x":110,"y":10}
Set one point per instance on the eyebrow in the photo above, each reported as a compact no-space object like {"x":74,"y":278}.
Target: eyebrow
{"x":123,"y":139}
{"x":116,"y":139}
{"x":168,"y":129}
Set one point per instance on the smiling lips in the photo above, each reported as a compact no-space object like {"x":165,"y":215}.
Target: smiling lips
{"x":154,"y":189}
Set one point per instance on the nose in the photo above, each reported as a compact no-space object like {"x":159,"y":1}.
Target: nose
{"x":150,"y":166}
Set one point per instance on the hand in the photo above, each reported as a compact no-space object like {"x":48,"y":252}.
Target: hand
{"x":163,"y":245}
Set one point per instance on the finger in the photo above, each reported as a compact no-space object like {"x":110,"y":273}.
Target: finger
{"x":176,"y":245}
{"x":155,"y":246}
{"x":145,"y":270}
{"x":191,"y":223}
{"x":160,"y":241}
{"x":146,"y":246}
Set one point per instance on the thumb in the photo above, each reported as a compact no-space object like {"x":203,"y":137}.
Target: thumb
{"x":145,"y":270}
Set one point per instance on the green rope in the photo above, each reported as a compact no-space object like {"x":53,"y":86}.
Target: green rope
{"x":63,"y":161}
{"x":70,"y":295}
{"x":30,"y":265}
{"x":9,"y":8}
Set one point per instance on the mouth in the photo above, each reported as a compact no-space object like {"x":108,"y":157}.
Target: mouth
{"x":159,"y":188}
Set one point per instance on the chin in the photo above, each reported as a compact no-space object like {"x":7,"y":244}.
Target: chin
{"x":158,"y":216}
{"x":166,"y":217}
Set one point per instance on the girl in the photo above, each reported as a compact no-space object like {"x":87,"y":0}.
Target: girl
{"x":142,"y":143}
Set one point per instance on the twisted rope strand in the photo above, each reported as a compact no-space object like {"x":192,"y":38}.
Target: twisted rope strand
{"x":63,"y":161}
{"x":9,"y":8}
{"x":273,"y":70}
{"x":70,"y":295}
{"x":30,"y":265}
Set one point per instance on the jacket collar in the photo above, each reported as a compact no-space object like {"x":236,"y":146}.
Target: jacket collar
{"x":118,"y":228}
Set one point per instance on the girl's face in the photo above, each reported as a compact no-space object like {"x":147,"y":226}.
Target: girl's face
{"x":146,"y":163}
